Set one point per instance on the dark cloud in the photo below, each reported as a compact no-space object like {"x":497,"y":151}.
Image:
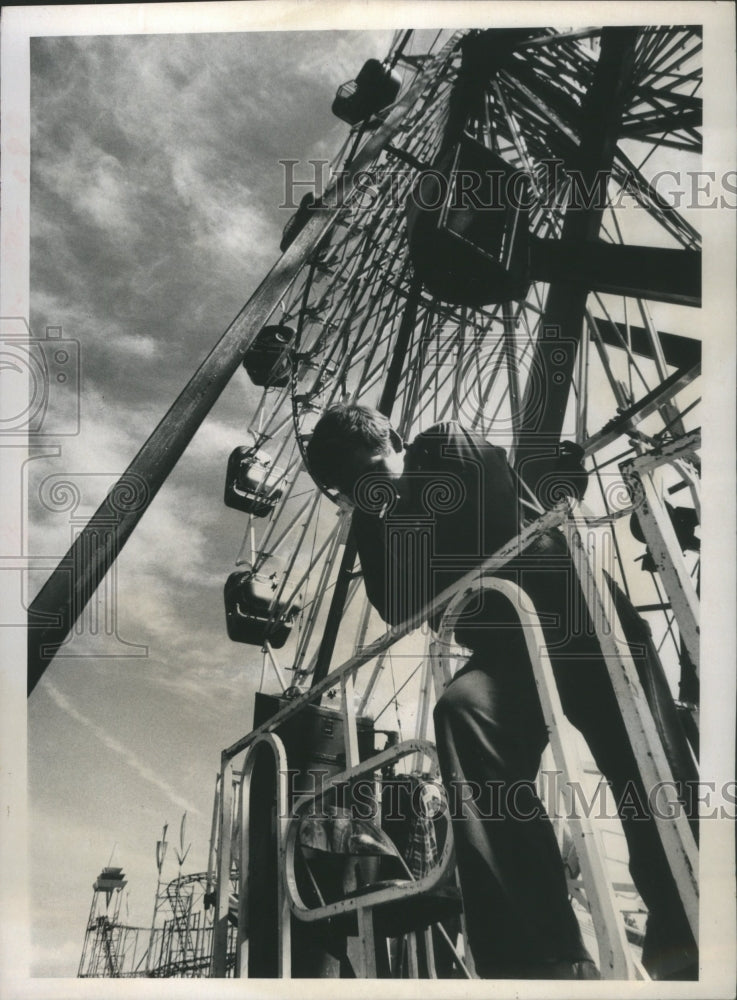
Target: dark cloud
{"x":156,"y":184}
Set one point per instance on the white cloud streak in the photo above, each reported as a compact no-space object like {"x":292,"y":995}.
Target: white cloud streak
{"x":129,"y":758}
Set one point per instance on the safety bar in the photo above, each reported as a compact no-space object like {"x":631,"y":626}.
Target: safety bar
{"x":284,"y":929}
{"x":467,"y":583}
{"x":660,"y":535}
{"x":379,"y":896}
{"x":614,"y":953}
{"x":672,"y":824}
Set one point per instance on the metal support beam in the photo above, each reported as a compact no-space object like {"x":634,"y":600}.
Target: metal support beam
{"x":657,"y":273}
{"x":678,"y":351}
{"x":219,"y":961}
{"x":543,"y":409}
{"x":629,"y":418}
{"x":673,"y":828}
{"x":671,"y":416}
{"x":661,"y":539}
{"x":350,"y":552}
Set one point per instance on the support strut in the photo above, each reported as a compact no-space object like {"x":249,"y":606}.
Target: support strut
{"x":560,"y":330}
{"x":386,"y":404}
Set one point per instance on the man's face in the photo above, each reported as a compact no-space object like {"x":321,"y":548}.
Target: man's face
{"x":388,"y":463}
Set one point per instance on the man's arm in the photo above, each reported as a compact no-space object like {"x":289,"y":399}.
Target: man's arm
{"x":370,"y":535}
{"x":458,"y":505}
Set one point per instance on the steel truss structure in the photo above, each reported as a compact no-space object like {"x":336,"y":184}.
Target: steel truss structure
{"x":177,"y":945}
{"x":112,"y":949}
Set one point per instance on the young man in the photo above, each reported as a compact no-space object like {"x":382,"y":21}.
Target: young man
{"x":424,"y":515}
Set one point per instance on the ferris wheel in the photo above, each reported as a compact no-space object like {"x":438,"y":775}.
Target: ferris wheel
{"x":501,"y":256}
{"x":495,"y":248}
{"x":496,"y":305}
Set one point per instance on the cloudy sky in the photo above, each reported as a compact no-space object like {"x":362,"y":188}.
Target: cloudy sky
{"x":155,"y":213}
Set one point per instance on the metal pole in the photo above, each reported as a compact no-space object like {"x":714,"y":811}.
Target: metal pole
{"x":543,"y":410}
{"x":350,"y":552}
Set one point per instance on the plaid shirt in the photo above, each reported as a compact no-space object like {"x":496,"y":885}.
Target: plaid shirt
{"x":421,"y":854}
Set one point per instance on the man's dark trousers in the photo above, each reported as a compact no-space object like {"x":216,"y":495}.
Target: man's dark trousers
{"x":490,"y":736}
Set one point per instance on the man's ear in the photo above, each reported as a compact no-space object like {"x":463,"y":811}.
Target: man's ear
{"x":395,"y":440}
